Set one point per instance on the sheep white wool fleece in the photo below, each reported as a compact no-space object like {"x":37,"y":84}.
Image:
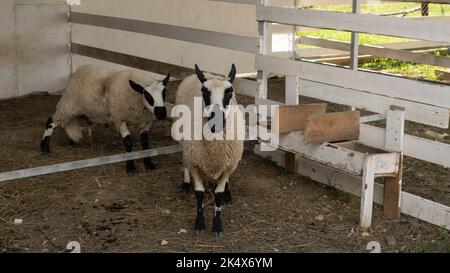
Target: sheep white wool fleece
{"x":103,"y":96}
{"x":215,"y":157}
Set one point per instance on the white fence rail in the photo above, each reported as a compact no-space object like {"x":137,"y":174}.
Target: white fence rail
{"x":93,"y":162}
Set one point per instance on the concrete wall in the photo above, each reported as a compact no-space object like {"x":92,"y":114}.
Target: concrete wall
{"x":33,"y":46}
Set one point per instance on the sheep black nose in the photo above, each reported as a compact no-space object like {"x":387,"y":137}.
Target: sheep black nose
{"x":160,"y":113}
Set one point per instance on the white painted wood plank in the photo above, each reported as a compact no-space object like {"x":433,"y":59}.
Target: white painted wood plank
{"x":211,"y":38}
{"x":420,"y":148}
{"x":412,"y":205}
{"x":425,"y":210}
{"x":377,"y":83}
{"x":316,"y":52}
{"x":386,"y":163}
{"x":395,"y":130}
{"x":246,"y":87}
{"x":417,"y":112}
{"x":264,"y":48}
{"x":367,"y":189}
{"x":6,"y":176}
{"x":371,"y":118}
{"x":373,"y":24}
{"x":291,"y":86}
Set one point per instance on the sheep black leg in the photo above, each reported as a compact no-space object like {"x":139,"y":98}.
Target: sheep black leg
{"x":200,"y":221}
{"x":145,"y":142}
{"x":227,"y":195}
{"x":128,"y":143}
{"x":45,"y":143}
{"x":217,"y":229}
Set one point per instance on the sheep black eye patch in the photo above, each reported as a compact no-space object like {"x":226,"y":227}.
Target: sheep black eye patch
{"x":227,"y":97}
{"x":149,"y":98}
{"x":206,"y":96}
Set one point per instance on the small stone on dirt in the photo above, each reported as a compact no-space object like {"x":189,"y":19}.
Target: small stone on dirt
{"x":320,"y":217}
{"x":165,"y":211}
{"x":182,"y":231}
{"x":164,"y":242}
{"x":365,"y":234}
{"x":18,"y":221}
{"x":391,"y":241}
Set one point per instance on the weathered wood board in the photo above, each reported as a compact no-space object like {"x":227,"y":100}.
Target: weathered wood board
{"x":332,"y":127}
{"x":293,"y":118}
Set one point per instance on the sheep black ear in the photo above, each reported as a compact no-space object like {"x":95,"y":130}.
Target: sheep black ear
{"x":232,"y":74}
{"x":136,"y":87}
{"x":166,"y":80}
{"x":200,"y":74}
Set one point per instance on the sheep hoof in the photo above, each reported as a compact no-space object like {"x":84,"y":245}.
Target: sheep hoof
{"x":131,"y":168}
{"x":45,"y":145}
{"x":227,"y":197}
{"x":218,"y":234}
{"x":200,"y":225}
{"x":149,"y":165}
{"x":217,"y":229}
{"x":186,"y":187}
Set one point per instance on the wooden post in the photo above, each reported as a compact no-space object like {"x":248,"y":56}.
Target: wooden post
{"x":368,"y":184}
{"x":395,"y":125}
{"x":354,"y":54}
{"x":425,"y":9}
{"x":263,"y":50}
{"x":291,"y":161}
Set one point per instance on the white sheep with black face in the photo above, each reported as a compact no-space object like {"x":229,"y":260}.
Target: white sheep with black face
{"x":98,"y":95}
{"x":215,"y":159}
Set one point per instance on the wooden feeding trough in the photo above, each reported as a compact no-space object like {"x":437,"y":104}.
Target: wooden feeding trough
{"x":331,"y":139}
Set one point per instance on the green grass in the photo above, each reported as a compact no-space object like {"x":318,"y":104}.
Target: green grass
{"x":382,"y":64}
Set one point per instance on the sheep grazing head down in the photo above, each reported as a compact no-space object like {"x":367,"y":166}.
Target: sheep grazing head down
{"x":154,"y":96}
{"x":217,"y":93}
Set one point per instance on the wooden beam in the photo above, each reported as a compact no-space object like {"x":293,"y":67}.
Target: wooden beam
{"x":395,"y":133}
{"x":392,"y":193}
{"x":291,"y":162}
{"x":332,"y":127}
{"x":366,"y":23}
{"x":367,"y":189}
{"x":314,"y":53}
{"x":443,"y":75}
{"x":293,"y":118}
{"x":417,"y":147}
{"x":6,"y":176}
{"x":211,"y":38}
{"x":380,"y":51}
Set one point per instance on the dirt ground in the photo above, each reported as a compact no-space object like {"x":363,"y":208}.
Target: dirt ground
{"x":107,"y":210}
